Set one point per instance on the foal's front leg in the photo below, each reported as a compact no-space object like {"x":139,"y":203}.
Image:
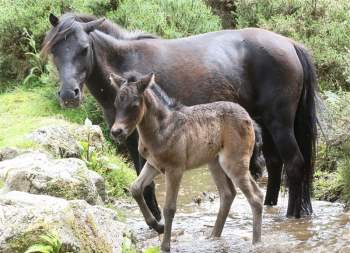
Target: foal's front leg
{"x":146,"y":176}
{"x":172,"y":180}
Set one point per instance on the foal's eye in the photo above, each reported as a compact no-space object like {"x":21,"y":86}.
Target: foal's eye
{"x":135,"y":104}
{"x":84,"y":51}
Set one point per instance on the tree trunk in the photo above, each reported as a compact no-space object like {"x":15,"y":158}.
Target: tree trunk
{"x":225,"y":9}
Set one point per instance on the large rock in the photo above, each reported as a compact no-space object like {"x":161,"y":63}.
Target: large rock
{"x":57,"y":140}
{"x":37,"y":173}
{"x":9,"y":153}
{"x":80,"y":227}
{"x":65,"y":141}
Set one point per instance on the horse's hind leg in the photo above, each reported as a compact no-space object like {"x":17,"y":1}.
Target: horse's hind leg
{"x":237,"y":169}
{"x":137,"y":188}
{"x":227,"y":194}
{"x":274,"y":169}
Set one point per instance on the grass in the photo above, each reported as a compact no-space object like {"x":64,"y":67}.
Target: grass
{"x":23,"y":110}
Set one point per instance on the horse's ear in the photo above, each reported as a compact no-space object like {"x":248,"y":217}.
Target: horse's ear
{"x":53,"y":20}
{"x":92,"y":25}
{"x":145,"y":81}
{"x":117,"y":81}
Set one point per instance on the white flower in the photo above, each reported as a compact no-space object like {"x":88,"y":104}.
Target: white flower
{"x":88,"y":123}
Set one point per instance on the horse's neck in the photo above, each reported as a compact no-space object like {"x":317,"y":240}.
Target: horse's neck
{"x":105,"y":57}
{"x":155,"y":119}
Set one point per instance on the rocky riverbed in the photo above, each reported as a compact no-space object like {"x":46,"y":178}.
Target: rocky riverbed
{"x":50,"y":190}
{"x":328,"y":230}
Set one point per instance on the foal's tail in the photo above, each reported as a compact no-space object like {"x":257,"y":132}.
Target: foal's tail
{"x":305,"y":127}
{"x":257,"y":162}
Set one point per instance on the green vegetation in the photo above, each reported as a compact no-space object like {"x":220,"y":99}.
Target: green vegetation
{"x":49,"y":243}
{"x":166,"y":18}
{"x":152,"y":250}
{"x":333,"y":159}
{"x":25,"y":109}
{"x":115,"y":169}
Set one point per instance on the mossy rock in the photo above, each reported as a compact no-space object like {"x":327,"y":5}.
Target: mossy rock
{"x":79,"y":226}
{"x":38,"y":173}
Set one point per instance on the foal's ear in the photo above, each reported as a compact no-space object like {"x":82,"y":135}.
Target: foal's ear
{"x":92,"y":25}
{"x":53,"y":20}
{"x":145,"y":81}
{"x":117,"y":81}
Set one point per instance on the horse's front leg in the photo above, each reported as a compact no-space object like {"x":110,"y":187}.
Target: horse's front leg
{"x":172,"y":180}
{"x":146,"y":176}
{"x":149,"y":191}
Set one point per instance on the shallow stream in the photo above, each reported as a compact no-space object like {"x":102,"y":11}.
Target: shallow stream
{"x":328,"y":230}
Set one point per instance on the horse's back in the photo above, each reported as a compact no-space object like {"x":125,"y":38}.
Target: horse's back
{"x":231,"y":65}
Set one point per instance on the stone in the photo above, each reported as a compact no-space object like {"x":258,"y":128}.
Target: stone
{"x":80,"y":227}
{"x":36,"y":172}
{"x":9,"y":153}
{"x":57,"y":140}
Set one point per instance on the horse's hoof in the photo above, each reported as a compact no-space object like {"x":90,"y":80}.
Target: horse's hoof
{"x":159,"y":228}
{"x":165,"y":249}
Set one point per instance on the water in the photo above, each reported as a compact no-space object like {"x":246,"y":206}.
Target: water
{"x":328,"y":230}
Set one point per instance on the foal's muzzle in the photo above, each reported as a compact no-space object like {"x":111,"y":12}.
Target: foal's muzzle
{"x":118,"y":134}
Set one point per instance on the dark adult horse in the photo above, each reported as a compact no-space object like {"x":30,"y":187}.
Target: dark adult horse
{"x":271,"y":76}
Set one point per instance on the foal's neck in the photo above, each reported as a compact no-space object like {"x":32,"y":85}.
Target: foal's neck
{"x":155,"y":120}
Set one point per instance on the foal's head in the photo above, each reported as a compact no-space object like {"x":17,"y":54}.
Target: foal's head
{"x":129,"y":104}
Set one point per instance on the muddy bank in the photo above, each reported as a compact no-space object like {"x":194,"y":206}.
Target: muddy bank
{"x":328,"y":230}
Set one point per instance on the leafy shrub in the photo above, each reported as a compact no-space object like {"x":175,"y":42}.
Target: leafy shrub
{"x":167,"y":18}
{"x":49,"y":243}
{"x":32,"y":15}
{"x":332,"y":178}
{"x":322,"y":25}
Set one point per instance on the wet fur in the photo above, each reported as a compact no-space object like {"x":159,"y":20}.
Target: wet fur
{"x":176,"y":139}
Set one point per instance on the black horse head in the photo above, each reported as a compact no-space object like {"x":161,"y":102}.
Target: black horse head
{"x":69,"y":43}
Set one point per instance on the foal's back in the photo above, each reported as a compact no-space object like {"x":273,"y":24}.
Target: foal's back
{"x":214,"y":128}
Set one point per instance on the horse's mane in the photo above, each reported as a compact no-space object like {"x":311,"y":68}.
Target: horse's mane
{"x":157,"y":91}
{"x":67,"y":20}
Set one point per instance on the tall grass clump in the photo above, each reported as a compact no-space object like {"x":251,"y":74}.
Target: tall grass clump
{"x":167,"y":18}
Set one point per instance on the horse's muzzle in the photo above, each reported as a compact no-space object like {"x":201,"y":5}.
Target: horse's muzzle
{"x":70,"y":103}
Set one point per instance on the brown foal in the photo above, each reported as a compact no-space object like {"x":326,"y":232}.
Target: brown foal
{"x":175,"y":138}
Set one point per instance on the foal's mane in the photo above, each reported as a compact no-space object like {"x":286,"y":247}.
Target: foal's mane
{"x":156,"y":90}
{"x":167,"y":101}
{"x":63,"y":29}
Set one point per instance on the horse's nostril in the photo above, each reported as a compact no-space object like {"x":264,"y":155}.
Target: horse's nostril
{"x":76,"y":92}
{"x":59,"y":93}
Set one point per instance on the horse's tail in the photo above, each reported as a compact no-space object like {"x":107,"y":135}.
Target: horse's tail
{"x":305,"y":127}
{"x":257,"y":162}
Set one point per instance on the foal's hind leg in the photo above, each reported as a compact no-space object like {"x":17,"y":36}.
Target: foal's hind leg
{"x":237,"y":169}
{"x":137,"y":188}
{"x":227,"y":194}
